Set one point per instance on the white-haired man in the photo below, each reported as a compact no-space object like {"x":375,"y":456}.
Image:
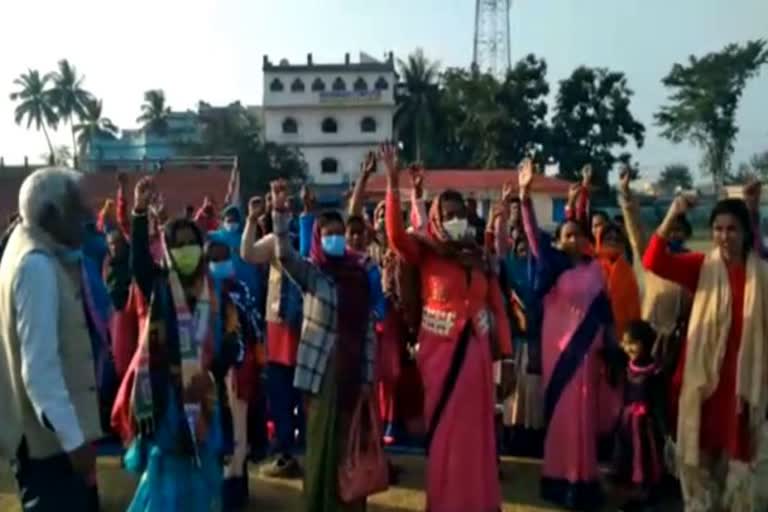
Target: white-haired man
{"x":48,"y":396}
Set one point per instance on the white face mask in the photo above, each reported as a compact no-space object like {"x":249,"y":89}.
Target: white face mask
{"x":456,"y":228}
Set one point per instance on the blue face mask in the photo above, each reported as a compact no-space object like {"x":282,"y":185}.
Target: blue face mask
{"x":232,"y":227}
{"x":334,"y":245}
{"x":222,"y":269}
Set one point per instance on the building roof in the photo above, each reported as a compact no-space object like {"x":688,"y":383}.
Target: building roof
{"x":366,"y":64}
{"x":180,"y":187}
{"x":472,"y":181}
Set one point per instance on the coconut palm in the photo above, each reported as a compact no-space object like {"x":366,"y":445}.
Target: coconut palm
{"x":415,"y":114}
{"x":154,"y":112}
{"x":35,"y":103}
{"x":93,"y":126}
{"x":69,"y":97}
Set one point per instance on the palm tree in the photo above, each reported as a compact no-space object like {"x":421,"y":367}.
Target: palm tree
{"x":154,"y":112}
{"x":69,"y":97}
{"x":93,"y":126}
{"x":416,"y":107}
{"x":35,"y":103}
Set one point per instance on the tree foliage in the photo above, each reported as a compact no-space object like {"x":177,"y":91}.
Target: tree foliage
{"x":471,"y":119}
{"x":69,"y":97}
{"x":234,"y":130}
{"x":93,"y":126}
{"x":154,"y":112}
{"x":35,"y":104}
{"x":592,"y":117}
{"x":675,"y":175}
{"x":417,"y":102}
{"x":705,"y":94}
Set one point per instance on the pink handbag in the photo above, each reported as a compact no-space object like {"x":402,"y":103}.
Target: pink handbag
{"x":363,"y":468}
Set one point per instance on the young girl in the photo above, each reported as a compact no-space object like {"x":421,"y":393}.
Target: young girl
{"x":640,"y":436}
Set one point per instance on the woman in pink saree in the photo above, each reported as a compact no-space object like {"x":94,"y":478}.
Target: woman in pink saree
{"x":577,"y":331}
{"x":458,"y":340}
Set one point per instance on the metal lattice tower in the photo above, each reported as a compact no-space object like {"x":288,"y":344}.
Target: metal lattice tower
{"x":491,"y":45}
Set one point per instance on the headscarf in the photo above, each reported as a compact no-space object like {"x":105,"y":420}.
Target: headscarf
{"x":106,"y":218}
{"x":621,"y":282}
{"x":353,"y":310}
{"x":465,"y":252}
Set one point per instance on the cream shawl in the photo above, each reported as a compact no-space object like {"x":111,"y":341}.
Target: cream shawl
{"x":707,"y":337}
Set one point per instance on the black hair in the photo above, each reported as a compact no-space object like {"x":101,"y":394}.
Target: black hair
{"x":618,"y":219}
{"x":737,"y":208}
{"x":329,"y":217}
{"x":599,"y":213}
{"x":682,"y":221}
{"x":515,"y":200}
{"x":560,"y":227}
{"x":643,"y":332}
{"x":232,"y":211}
{"x":173,"y":227}
{"x":451,"y":195}
{"x":356,"y":219}
{"x":212,"y":242}
{"x":612,"y":228}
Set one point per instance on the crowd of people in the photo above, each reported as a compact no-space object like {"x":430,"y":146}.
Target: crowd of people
{"x":219,"y":336}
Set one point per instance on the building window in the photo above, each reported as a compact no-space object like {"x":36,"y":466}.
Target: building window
{"x":297,"y":85}
{"x":368,"y":125}
{"x":276,"y":85}
{"x":381,"y":84}
{"x":339,"y":85}
{"x":360,"y":85}
{"x":318,"y":85}
{"x":290,"y":125}
{"x":329,"y":125}
{"x":329,"y":166}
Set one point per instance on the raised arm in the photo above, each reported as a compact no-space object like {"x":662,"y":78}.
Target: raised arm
{"x":418,"y":216}
{"x":638,"y":239}
{"x":530,"y":226}
{"x":679,"y":268}
{"x":253,"y":251}
{"x":306,"y":221}
{"x":123,"y":222}
{"x":142,"y":264}
{"x":301,"y":271}
{"x":399,"y":240}
{"x":367,"y":168}
{"x":233,"y":187}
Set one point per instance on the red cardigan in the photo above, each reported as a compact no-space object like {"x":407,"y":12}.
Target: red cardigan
{"x":723,"y":429}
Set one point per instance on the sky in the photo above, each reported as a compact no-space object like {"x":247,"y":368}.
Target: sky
{"x":212,"y":50}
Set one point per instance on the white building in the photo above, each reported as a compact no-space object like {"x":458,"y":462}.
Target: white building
{"x":334,"y":113}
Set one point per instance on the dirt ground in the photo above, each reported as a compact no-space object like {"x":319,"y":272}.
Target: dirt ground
{"x":520,"y":489}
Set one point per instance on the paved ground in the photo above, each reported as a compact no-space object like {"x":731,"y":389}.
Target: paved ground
{"x":520,"y":488}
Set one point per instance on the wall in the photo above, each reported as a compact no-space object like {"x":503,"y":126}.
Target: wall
{"x":309,"y":97}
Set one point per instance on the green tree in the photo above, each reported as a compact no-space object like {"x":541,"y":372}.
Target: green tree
{"x":35,"y":104}
{"x":759,"y":163}
{"x":154,"y":112}
{"x":234,"y":130}
{"x":675,"y":175}
{"x":93,"y":126}
{"x":417,"y":101}
{"x":704,"y":99}
{"x":592,"y":118}
{"x":69,"y":97}
{"x":62,"y":156}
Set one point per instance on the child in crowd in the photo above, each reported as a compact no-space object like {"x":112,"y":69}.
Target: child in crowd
{"x":640,"y":437}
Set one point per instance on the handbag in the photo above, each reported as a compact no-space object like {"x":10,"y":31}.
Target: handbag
{"x":363,"y":468}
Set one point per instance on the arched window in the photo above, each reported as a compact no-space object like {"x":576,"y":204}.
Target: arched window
{"x":318,"y":85}
{"x":381,"y":84}
{"x":339,"y":85}
{"x":360,"y":85}
{"x":329,"y":166}
{"x":368,"y":125}
{"x":290,"y":125}
{"x":329,"y":125}
{"x":276,"y":85}
{"x":297,"y":85}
